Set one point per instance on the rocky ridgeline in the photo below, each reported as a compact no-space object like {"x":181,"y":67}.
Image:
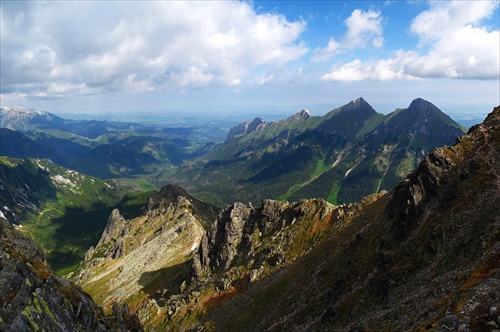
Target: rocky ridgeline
{"x":431,"y":260}
{"x":161,"y":262}
{"x":248,"y":126}
{"x":133,"y":258}
{"x":246,"y":244}
{"x":32,"y":298}
{"x":422,"y":257}
{"x":268,"y":236}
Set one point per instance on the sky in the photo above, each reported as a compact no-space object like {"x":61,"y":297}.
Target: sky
{"x":236,"y":56}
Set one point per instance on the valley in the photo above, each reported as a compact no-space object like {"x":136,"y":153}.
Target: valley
{"x":343,"y":156}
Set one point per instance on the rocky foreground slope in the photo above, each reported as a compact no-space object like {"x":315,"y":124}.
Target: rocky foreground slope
{"x":32,"y":298}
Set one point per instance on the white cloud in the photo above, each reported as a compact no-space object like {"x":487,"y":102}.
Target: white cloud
{"x":445,"y":18}
{"x":380,"y":70}
{"x":459,"y":46}
{"x":104,"y":47}
{"x":325,"y":54}
{"x":363,"y":27}
{"x":468,"y":52}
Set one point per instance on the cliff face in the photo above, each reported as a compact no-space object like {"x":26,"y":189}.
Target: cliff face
{"x":244,"y":247}
{"x":32,"y":298}
{"x":264,"y":238}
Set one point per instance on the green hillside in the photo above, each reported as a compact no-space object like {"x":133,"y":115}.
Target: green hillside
{"x":349,"y":153}
{"x":62,"y":210}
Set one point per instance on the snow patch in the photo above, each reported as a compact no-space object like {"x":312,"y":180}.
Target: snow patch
{"x":349,"y":171}
{"x":62,"y":180}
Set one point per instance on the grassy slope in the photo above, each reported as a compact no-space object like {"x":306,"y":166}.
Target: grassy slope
{"x":71,"y":208}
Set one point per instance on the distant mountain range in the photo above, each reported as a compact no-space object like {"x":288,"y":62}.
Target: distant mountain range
{"x":99,"y":148}
{"x":349,"y":153}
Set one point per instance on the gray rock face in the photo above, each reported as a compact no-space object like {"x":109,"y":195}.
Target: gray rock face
{"x":226,"y":235}
{"x":258,"y":237}
{"x":32,"y":298}
{"x":247,"y":127}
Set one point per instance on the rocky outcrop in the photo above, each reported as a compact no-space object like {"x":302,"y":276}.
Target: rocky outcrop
{"x":248,"y":126}
{"x":301,"y":115}
{"x":32,"y":298}
{"x":137,"y":260}
{"x":264,"y":239}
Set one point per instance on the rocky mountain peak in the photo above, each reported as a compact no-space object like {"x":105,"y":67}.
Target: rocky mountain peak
{"x":302,"y":115}
{"x":359,"y":101}
{"x":358,"y":106}
{"x":422,"y":104}
{"x":167,"y":195}
{"x":248,"y":126}
{"x":19,"y":118}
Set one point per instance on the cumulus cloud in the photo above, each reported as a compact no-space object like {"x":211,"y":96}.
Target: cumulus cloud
{"x":363,"y":27}
{"x":459,"y":46}
{"x":72,"y":48}
{"x":379,"y":70}
{"x":445,"y":18}
{"x":325,"y":54}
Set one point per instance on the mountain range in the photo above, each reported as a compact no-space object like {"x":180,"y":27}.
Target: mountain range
{"x":418,"y":251}
{"x":423,"y":256}
{"x":104,"y":149}
{"x":349,"y":153}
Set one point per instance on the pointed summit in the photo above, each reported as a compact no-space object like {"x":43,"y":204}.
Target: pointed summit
{"x":360,"y":106}
{"x":422,"y":104}
{"x":359,"y":101}
{"x":303,"y":114}
{"x":351,"y":119}
{"x":421,"y":110}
